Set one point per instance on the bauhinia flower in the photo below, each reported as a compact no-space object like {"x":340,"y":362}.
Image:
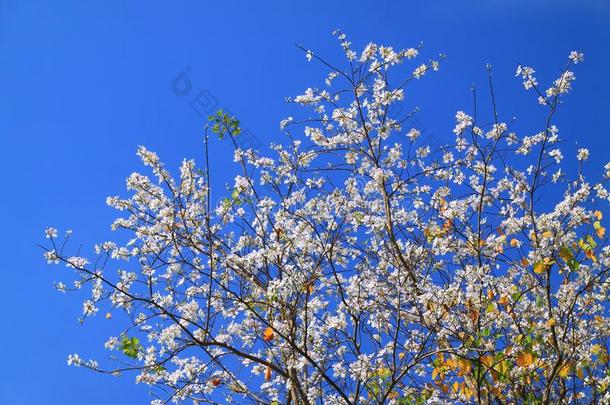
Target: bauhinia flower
{"x":360,"y":261}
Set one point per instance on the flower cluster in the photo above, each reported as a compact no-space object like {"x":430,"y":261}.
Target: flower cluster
{"x":357,"y":265}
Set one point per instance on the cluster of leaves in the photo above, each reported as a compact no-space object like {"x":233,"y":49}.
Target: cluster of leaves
{"x":130,"y":347}
{"x":222,"y":123}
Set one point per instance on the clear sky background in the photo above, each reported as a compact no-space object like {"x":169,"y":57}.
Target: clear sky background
{"x":83,"y":83}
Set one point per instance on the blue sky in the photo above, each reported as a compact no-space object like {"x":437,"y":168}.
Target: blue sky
{"x":82,"y":84}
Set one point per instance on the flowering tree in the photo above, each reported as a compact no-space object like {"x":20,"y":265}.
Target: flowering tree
{"x":358,"y":265}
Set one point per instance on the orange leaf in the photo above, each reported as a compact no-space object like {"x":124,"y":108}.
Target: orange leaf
{"x":525,"y":359}
{"x":589,"y":253}
{"x":601,"y":231}
{"x":474,"y":315}
{"x":268,"y":334}
{"x":268,"y":374}
{"x":447,"y":225}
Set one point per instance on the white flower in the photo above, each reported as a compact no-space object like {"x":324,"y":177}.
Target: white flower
{"x":369,"y":52}
{"x":422,"y":151}
{"x":420,"y":71}
{"x":51,"y":233}
{"x":576,"y":56}
{"x":463,"y":121}
{"x":583,"y":154}
{"x":74,"y":360}
{"x":89,"y":308}
{"x":51,"y":257}
{"x":285,"y":122}
{"x":411,"y":53}
{"x":111,"y":343}
{"x":527,"y":74}
{"x":556,"y":153}
{"x":413,"y":134}
{"x":61,"y":287}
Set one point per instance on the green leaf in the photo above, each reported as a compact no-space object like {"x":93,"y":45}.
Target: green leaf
{"x":159,"y":368}
{"x":235,"y":195}
{"x":130,"y":346}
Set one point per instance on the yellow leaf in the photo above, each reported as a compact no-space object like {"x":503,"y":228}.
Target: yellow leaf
{"x":451,"y":363}
{"x":551,"y":322}
{"x":547,"y":234}
{"x":384,"y":372}
{"x":463,"y":366}
{"x":514,"y":243}
{"x":525,"y":359}
{"x":268,"y":334}
{"x":539,"y":267}
{"x":598,"y":215}
{"x":565,"y":370}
